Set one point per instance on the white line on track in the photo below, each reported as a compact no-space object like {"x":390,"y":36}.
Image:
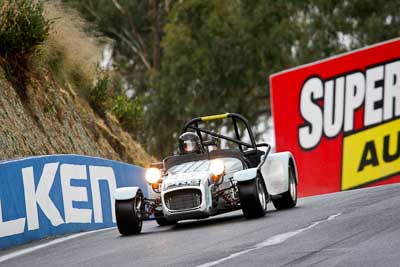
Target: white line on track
{"x":274,"y":240}
{"x":23,"y":252}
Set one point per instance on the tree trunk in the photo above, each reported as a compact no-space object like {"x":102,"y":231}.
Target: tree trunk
{"x":155,"y":10}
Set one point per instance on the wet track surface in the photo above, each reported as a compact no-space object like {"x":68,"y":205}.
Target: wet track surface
{"x":353,"y":228}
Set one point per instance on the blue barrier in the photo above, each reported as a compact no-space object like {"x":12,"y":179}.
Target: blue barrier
{"x":59,"y":194}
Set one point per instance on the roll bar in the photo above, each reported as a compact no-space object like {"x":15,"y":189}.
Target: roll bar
{"x":194,"y":125}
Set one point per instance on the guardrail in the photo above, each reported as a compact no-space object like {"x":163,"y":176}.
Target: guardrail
{"x":59,"y":194}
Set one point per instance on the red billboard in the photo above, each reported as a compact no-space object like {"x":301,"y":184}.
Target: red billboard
{"x":340,"y":117}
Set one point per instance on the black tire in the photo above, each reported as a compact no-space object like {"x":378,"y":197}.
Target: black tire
{"x":129,"y":214}
{"x":288,"y":199}
{"x":253,"y":197}
{"x":162,"y":221}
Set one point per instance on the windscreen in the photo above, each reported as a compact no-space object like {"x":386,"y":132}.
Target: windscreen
{"x":231,"y":165}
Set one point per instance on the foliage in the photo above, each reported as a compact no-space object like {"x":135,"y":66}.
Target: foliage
{"x":130,"y":113}
{"x":328,"y":27}
{"x":132,"y":25}
{"x":217,"y":57}
{"x":109,"y":95}
{"x":70,"y":53}
{"x":100,"y":96}
{"x":22,"y":26}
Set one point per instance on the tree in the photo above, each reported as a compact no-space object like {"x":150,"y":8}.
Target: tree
{"x":135,"y":28}
{"x":218,"y":56}
{"x":194,"y":57}
{"x":329,"y":27}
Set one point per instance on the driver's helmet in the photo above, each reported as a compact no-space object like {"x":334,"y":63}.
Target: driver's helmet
{"x":189,"y":143}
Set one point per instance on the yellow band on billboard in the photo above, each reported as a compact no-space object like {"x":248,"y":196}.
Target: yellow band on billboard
{"x":371,"y":155}
{"x":215,"y":117}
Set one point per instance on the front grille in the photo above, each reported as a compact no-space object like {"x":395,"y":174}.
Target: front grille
{"x":183,"y":199}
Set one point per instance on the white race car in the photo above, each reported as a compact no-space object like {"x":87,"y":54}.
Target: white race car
{"x":203,"y":180}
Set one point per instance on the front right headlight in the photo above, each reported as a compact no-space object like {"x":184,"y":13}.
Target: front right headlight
{"x":217,"y":167}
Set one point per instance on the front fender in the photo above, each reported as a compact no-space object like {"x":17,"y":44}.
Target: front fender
{"x":275,"y":171}
{"x":245,"y":175}
{"x":125,"y":193}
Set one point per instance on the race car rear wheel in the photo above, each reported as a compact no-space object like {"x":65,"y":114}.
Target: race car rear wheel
{"x":287,"y":199}
{"x":253,"y":197}
{"x":129,"y":214}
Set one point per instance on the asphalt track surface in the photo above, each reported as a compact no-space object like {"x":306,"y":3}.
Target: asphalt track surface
{"x":353,"y":228}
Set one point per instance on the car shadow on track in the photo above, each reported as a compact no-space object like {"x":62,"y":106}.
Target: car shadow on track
{"x":234,"y":218}
{"x":191,"y":224}
{"x":231,"y":218}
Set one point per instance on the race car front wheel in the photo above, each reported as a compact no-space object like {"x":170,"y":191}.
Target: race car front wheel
{"x":253,"y":197}
{"x":287,"y":199}
{"x":129,"y":214}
